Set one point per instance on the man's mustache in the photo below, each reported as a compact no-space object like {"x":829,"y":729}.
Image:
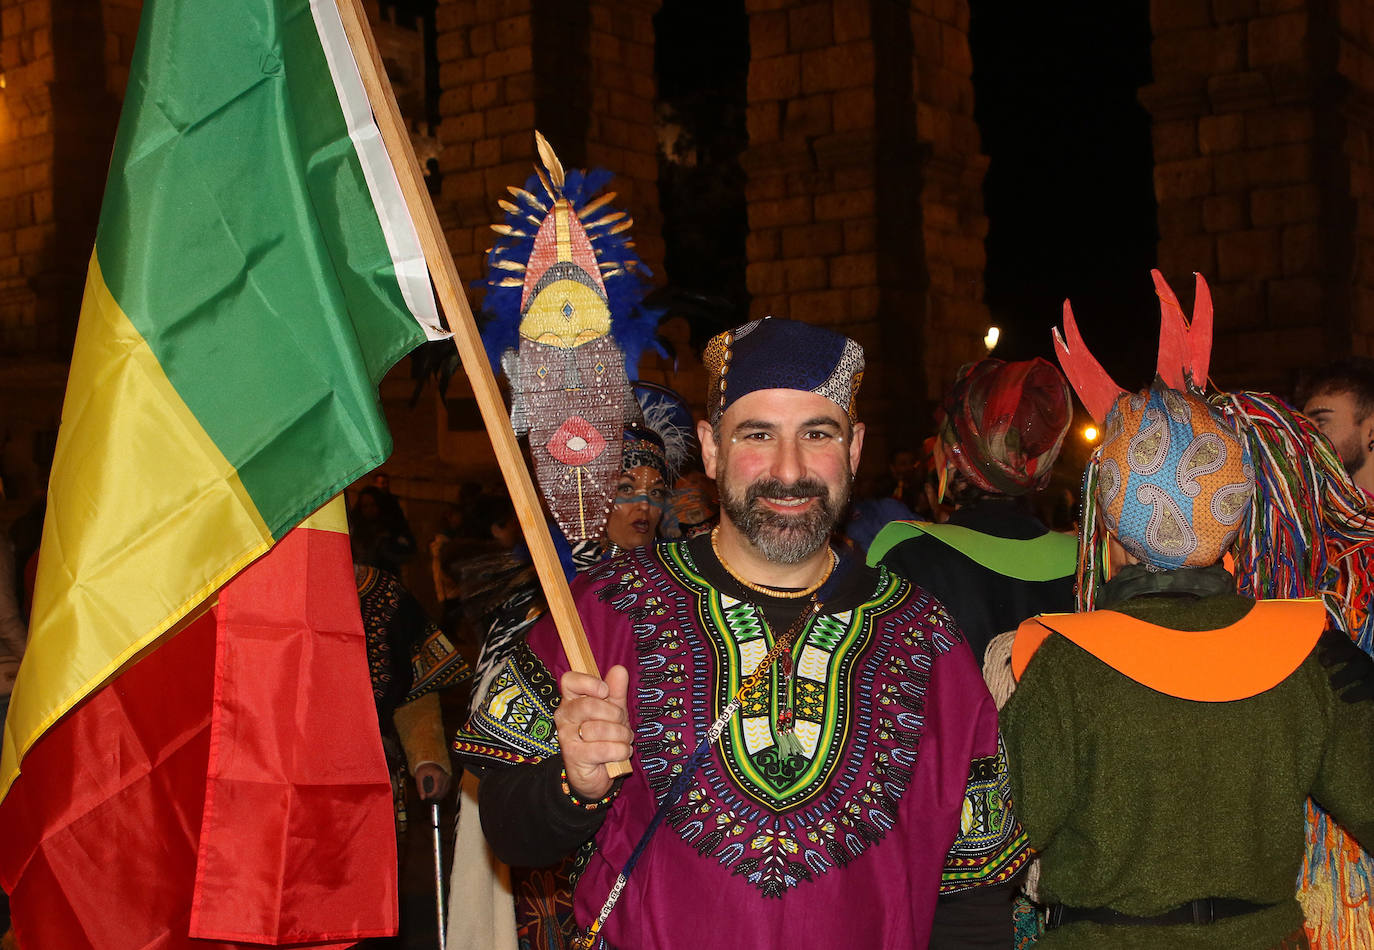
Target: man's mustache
{"x":776,"y":488}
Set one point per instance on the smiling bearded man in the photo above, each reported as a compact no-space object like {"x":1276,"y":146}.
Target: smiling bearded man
{"x":812,"y":738}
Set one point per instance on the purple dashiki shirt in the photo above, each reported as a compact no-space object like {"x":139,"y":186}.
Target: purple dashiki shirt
{"x":899,"y":794}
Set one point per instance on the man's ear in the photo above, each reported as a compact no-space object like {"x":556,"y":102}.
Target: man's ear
{"x":856,"y":445}
{"x":706,"y":435}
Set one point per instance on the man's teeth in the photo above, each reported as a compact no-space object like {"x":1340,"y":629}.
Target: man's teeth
{"x":789,"y":502}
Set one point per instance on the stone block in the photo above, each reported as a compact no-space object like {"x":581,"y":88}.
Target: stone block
{"x":812,"y":240}
{"x":764,"y":187}
{"x":807,"y":273}
{"x":456,"y":101}
{"x":954,"y":50}
{"x":763,"y":121}
{"x":779,"y":212}
{"x":1207,"y":51}
{"x":766,"y":277}
{"x":450,"y":45}
{"x":485,"y":94}
{"x":778,"y":77}
{"x":1228,"y":11}
{"x":518,"y":88}
{"x":1189,"y":178}
{"x":453,"y":14}
{"x":456,"y":156}
{"x":482,"y":39}
{"x":1276,"y":39}
{"x":837,"y":67}
{"x":1279,"y":126}
{"x":854,"y":270}
{"x":854,"y":109}
{"x":607,"y":46}
{"x":853,"y":21}
{"x":864,"y":303}
{"x":1239,"y":305}
{"x":824,"y":307}
{"x":462,"y":128}
{"x":486,"y":152}
{"x":1221,"y":133}
{"x":810,"y":26}
{"x":460,"y":72}
{"x":1237,"y":91}
{"x":514,"y":31}
{"x":30,"y":240}
{"x":1301,"y":250}
{"x":764,"y":244}
{"x":1248,"y":255}
{"x":1288,"y":204}
{"x":860,"y":235}
{"x":1184,"y":254}
{"x":843,"y":205}
{"x":507,"y":62}
{"x":807,"y":116}
{"x":767,"y":35}
{"x":1293,"y":301}
{"x":1174,"y":139}
{"x":1167,"y":16}
{"x":1221,"y":213}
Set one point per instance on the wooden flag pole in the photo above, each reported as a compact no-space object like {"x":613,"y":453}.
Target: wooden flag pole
{"x":469,"y":343}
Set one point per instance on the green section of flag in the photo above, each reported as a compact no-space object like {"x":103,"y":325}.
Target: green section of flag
{"x":239,"y":237}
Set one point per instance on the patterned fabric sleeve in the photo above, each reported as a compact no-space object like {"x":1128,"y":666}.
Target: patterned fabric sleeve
{"x":991,"y":846}
{"x":513,"y":725}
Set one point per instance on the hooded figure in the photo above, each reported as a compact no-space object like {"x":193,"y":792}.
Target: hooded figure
{"x":993,"y":564}
{"x":1163,"y":744}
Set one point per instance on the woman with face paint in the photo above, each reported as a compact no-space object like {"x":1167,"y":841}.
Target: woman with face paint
{"x":641,"y":494}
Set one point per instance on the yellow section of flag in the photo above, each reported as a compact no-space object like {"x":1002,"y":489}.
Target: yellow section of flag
{"x":114,"y":578}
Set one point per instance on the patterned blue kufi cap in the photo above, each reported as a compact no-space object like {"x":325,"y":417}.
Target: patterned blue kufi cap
{"x":781,"y":354}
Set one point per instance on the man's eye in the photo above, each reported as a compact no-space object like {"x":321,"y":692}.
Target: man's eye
{"x":817,"y":435}
{"x":658,"y":494}
{"x":626,"y":490}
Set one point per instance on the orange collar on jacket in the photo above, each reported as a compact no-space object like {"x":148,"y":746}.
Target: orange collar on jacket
{"x":1254,"y":654}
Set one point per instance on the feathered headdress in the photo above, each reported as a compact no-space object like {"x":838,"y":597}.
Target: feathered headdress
{"x":603,"y":249}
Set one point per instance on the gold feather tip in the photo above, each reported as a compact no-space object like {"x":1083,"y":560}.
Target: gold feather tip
{"x":596,"y":204}
{"x":549,"y":159}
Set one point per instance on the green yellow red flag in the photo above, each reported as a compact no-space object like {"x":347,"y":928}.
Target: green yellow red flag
{"x":255,"y":275}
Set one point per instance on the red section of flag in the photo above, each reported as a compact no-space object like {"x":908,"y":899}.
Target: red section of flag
{"x":236,"y":769}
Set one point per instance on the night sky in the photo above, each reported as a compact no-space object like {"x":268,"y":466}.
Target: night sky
{"x":1069,"y":191}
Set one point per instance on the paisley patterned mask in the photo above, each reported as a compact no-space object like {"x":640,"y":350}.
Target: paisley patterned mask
{"x":1175,"y":481}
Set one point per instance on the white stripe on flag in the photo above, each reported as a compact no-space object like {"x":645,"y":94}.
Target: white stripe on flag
{"x":402,"y":240}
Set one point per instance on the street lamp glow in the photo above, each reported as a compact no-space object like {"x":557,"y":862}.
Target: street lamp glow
{"x":991,"y":337}
{"x":1090,"y":433}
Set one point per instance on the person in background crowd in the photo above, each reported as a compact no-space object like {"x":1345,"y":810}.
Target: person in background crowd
{"x":993,"y":564}
{"x":380,"y":538}
{"x":1339,"y":398}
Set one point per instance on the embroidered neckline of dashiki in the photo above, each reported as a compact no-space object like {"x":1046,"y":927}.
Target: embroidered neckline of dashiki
{"x":861,"y":676}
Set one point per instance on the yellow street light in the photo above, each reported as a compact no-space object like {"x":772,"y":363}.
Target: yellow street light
{"x":1090,"y":433}
{"x":991,"y":337}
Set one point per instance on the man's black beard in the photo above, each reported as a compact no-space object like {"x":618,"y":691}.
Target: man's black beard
{"x":784,"y":538}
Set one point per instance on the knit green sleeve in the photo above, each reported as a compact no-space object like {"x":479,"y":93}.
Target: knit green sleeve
{"x":1039,"y":738}
{"x":1345,"y":778}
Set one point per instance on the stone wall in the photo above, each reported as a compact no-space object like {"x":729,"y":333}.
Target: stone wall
{"x":1262,"y":115}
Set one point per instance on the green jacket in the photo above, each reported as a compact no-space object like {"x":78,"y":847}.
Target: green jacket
{"x":1141,"y":802}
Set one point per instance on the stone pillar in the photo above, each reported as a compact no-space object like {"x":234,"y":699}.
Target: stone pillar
{"x":580,"y":72}
{"x":864,"y":192}
{"x":1262,"y":120}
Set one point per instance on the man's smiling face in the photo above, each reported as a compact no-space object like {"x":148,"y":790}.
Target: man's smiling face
{"x":783,"y":460}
